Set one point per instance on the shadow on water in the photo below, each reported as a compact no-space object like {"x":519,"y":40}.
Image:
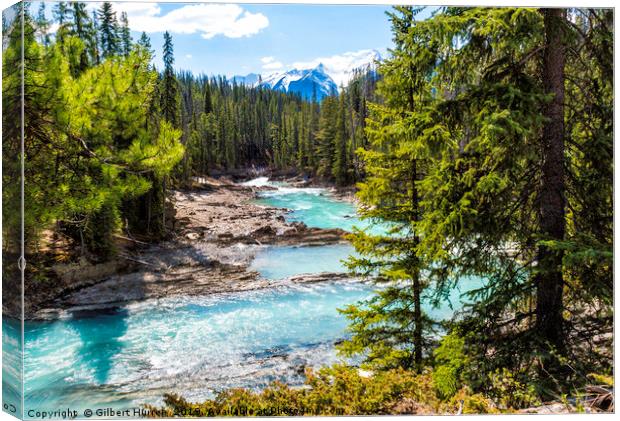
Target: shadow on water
{"x":100,"y":333}
{"x":91,"y":341}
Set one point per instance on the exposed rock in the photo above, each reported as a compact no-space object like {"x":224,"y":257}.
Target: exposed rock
{"x":266,"y":230}
{"x":551,"y":408}
{"x":308,"y":278}
{"x":225,"y":211}
{"x":182,"y":280}
{"x":192,"y":236}
{"x":81,"y":270}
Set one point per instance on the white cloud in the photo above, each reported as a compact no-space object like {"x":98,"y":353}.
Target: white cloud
{"x":273,"y":66}
{"x":209,"y":20}
{"x":270,"y":63}
{"x":188,"y":56}
{"x":339,"y":66}
{"x":138,"y":8}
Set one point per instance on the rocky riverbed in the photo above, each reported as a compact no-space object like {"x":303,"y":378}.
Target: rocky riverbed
{"x":217,"y":231}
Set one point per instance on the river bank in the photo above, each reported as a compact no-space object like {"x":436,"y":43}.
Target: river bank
{"x":218,"y":230}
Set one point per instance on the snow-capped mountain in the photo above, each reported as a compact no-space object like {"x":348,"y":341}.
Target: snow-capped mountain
{"x":319,"y":80}
{"x":307,"y":82}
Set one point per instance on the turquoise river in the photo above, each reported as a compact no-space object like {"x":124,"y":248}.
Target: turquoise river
{"x":196,"y":346}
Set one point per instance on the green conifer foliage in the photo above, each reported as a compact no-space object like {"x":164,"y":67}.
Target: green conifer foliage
{"x":169,"y":88}
{"x":87,"y":147}
{"x":125,"y":34}
{"x":391,"y":329}
{"x":326,"y":136}
{"x":340,"y":169}
{"x":110,"y":43}
{"x":145,"y":43}
{"x":43,"y":26}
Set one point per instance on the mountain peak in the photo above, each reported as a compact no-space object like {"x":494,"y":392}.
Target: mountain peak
{"x":307,"y":82}
{"x":320,"y":68}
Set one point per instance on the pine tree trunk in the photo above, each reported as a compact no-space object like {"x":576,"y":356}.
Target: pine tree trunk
{"x":417,"y":287}
{"x":163,"y":206}
{"x":417,"y":315}
{"x":549,"y":305}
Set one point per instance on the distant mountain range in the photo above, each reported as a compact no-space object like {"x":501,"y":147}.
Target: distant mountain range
{"x":306,"y":82}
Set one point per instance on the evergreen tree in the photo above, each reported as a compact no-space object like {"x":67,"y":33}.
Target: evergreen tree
{"x":86,"y":147}
{"x":326,"y":136}
{"x":313,"y":131}
{"x":391,"y":329}
{"x":169,"y":102}
{"x":145,"y":43}
{"x":588,"y":242}
{"x":80,"y":20}
{"x":20,"y":35}
{"x":488,"y":113}
{"x":549,"y":282}
{"x":62,"y":14}
{"x":125,"y":35}
{"x":208,"y":104}
{"x":92,"y":43}
{"x":108,"y":29}
{"x":340,"y":166}
{"x":82,"y":29}
{"x":43,"y":26}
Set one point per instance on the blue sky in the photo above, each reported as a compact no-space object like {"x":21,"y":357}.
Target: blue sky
{"x":237,"y":39}
{"x":295,"y":34}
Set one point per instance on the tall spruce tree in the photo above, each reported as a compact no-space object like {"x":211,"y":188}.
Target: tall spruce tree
{"x":391,"y":329}
{"x":43,"y":26}
{"x":169,"y":88}
{"x":108,"y":30}
{"x":81,"y":28}
{"x":125,"y":35}
{"x":92,"y":44}
{"x":326,"y":136}
{"x":169,"y":103}
{"x":340,"y":168}
{"x":145,"y":42}
{"x":80,"y":19}
{"x":62,"y":14}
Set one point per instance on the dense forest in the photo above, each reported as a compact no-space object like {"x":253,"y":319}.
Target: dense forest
{"x":485,"y":139}
{"x":107,"y":135}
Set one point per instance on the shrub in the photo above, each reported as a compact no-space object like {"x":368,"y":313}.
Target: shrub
{"x":450,"y":359}
{"x":511,"y":393}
